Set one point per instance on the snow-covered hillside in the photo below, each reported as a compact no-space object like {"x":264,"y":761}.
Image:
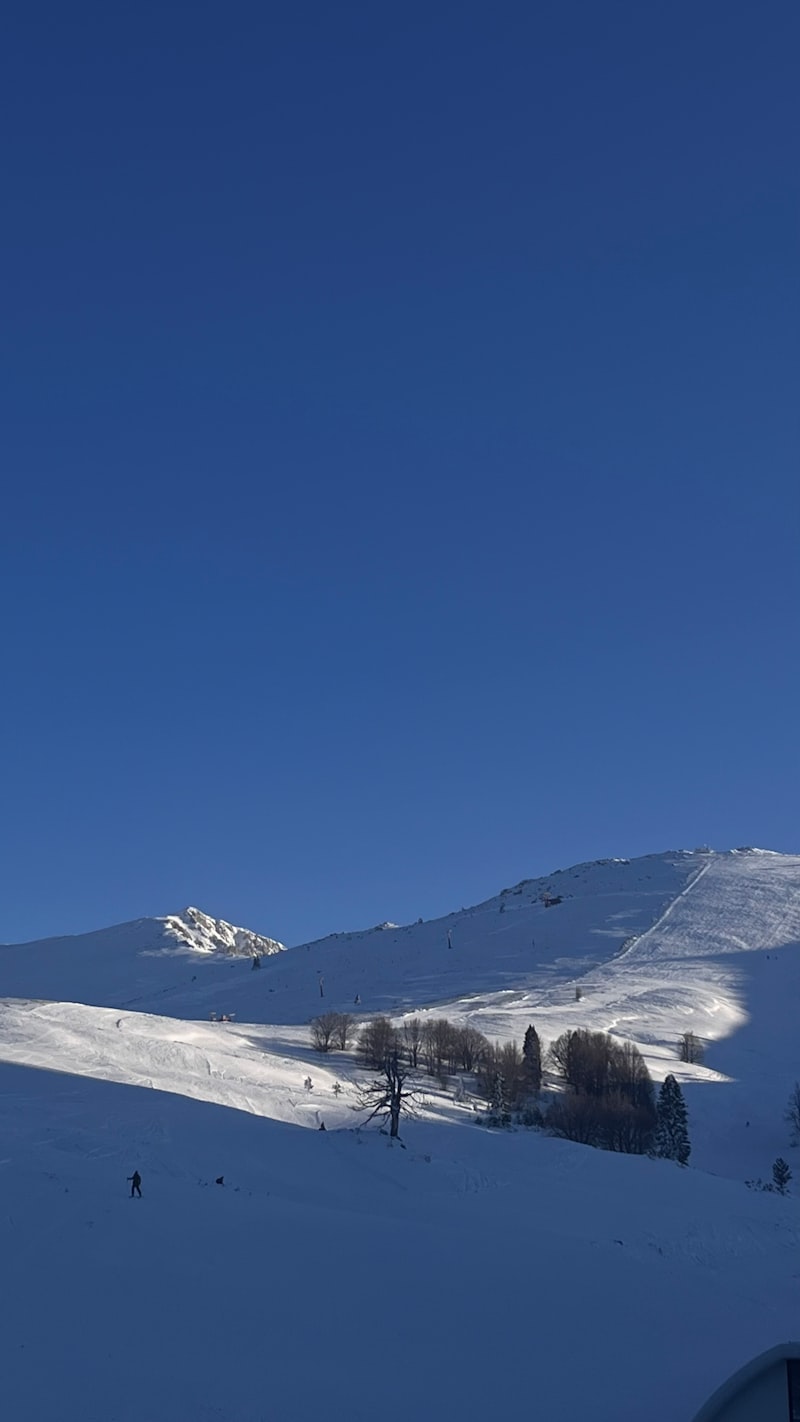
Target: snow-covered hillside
{"x":487,"y":1254}
{"x":117,"y":967}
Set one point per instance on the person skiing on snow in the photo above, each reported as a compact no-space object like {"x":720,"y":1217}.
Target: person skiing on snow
{"x":136,"y":1184}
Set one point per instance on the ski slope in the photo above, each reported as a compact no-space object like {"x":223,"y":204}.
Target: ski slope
{"x":332,"y":1274}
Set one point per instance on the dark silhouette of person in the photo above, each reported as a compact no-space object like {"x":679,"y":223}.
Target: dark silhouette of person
{"x":220,"y":1180}
{"x":136,"y":1184}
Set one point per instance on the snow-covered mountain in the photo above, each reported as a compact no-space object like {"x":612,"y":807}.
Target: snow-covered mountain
{"x":104,"y":1037}
{"x":122,"y":965}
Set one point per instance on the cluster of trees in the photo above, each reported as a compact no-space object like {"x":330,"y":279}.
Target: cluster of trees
{"x":779,"y":1184}
{"x":434,"y":1045}
{"x":332,"y":1030}
{"x":442,"y":1049}
{"x":610,"y":1099}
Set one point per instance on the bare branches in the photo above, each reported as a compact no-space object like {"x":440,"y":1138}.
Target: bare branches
{"x":332,"y":1029}
{"x":389,"y":1094}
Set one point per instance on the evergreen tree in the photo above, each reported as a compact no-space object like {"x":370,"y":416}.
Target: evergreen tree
{"x":781,"y":1175}
{"x":672,"y":1128}
{"x":498,"y":1110}
{"x":532,"y":1059}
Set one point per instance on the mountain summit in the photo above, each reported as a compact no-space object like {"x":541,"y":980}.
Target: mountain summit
{"x":199,"y":932}
{"x":129,"y":963}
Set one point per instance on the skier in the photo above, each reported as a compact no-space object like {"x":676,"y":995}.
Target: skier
{"x":357,"y":1000}
{"x":256,"y":961}
{"x":136,"y":1184}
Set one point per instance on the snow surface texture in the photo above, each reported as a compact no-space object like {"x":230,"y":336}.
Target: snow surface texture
{"x":475,"y":1272}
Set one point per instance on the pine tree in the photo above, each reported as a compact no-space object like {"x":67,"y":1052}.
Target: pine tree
{"x":499,"y":1104}
{"x":672,"y":1128}
{"x":781,"y":1175}
{"x":532,"y":1059}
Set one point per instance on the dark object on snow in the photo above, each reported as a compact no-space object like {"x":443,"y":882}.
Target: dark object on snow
{"x":256,"y":961}
{"x":322,"y":1125}
{"x":357,"y":1000}
{"x":220,"y":1180}
{"x":136,"y":1184}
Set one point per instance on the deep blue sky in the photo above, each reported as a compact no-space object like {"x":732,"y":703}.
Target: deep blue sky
{"x":400,"y":450}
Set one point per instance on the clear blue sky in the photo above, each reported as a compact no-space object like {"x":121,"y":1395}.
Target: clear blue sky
{"x":399,"y":437}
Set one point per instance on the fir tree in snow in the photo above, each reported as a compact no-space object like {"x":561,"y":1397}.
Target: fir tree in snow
{"x":498,"y":1108}
{"x":781,"y":1175}
{"x":532,"y":1059}
{"x":672,"y":1129}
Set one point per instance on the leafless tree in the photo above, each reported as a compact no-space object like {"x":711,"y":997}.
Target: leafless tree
{"x":389,"y":1094}
{"x":412,"y":1037}
{"x":575,"y":1118}
{"x":378,"y":1040}
{"x":343,"y":1031}
{"x":629,"y":1078}
{"x":505,"y":1062}
{"x":792,"y":1114}
{"x":438,"y":1045}
{"x":624,"y":1126}
{"x":471,"y":1047}
{"x":690,"y":1047}
{"x":610,"y":1122}
{"x":583,"y":1059}
{"x":322,"y":1031}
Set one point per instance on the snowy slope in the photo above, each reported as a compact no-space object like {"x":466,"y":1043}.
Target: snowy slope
{"x":656,"y":945}
{"x":120,"y":966}
{"x":509,"y":943}
{"x":475,"y":1274}
{"x":452,"y":1238}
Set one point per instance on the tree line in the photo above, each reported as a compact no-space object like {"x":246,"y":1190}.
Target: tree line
{"x":608,"y":1098}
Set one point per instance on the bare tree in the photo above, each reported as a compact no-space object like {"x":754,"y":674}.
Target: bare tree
{"x":471,"y":1047}
{"x":322,"y":1031}
{"x":506,"y":1063}
{"x":624,"y":1126}
{"x":596,"y":1064}
{"x":629,"y":1077}
{"x":412,"y":1036}
{"x":389,"y":1094}
{"x":574,"y":1118}
{"x":690,"y":1047}
{"x":583,"y":1058}
{"x":792,"y":1113}
{"x":343,"y":1031}
{"x":610,"y":1122}
{"x":378,"y":1041}
{"x":439,"y":1045}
